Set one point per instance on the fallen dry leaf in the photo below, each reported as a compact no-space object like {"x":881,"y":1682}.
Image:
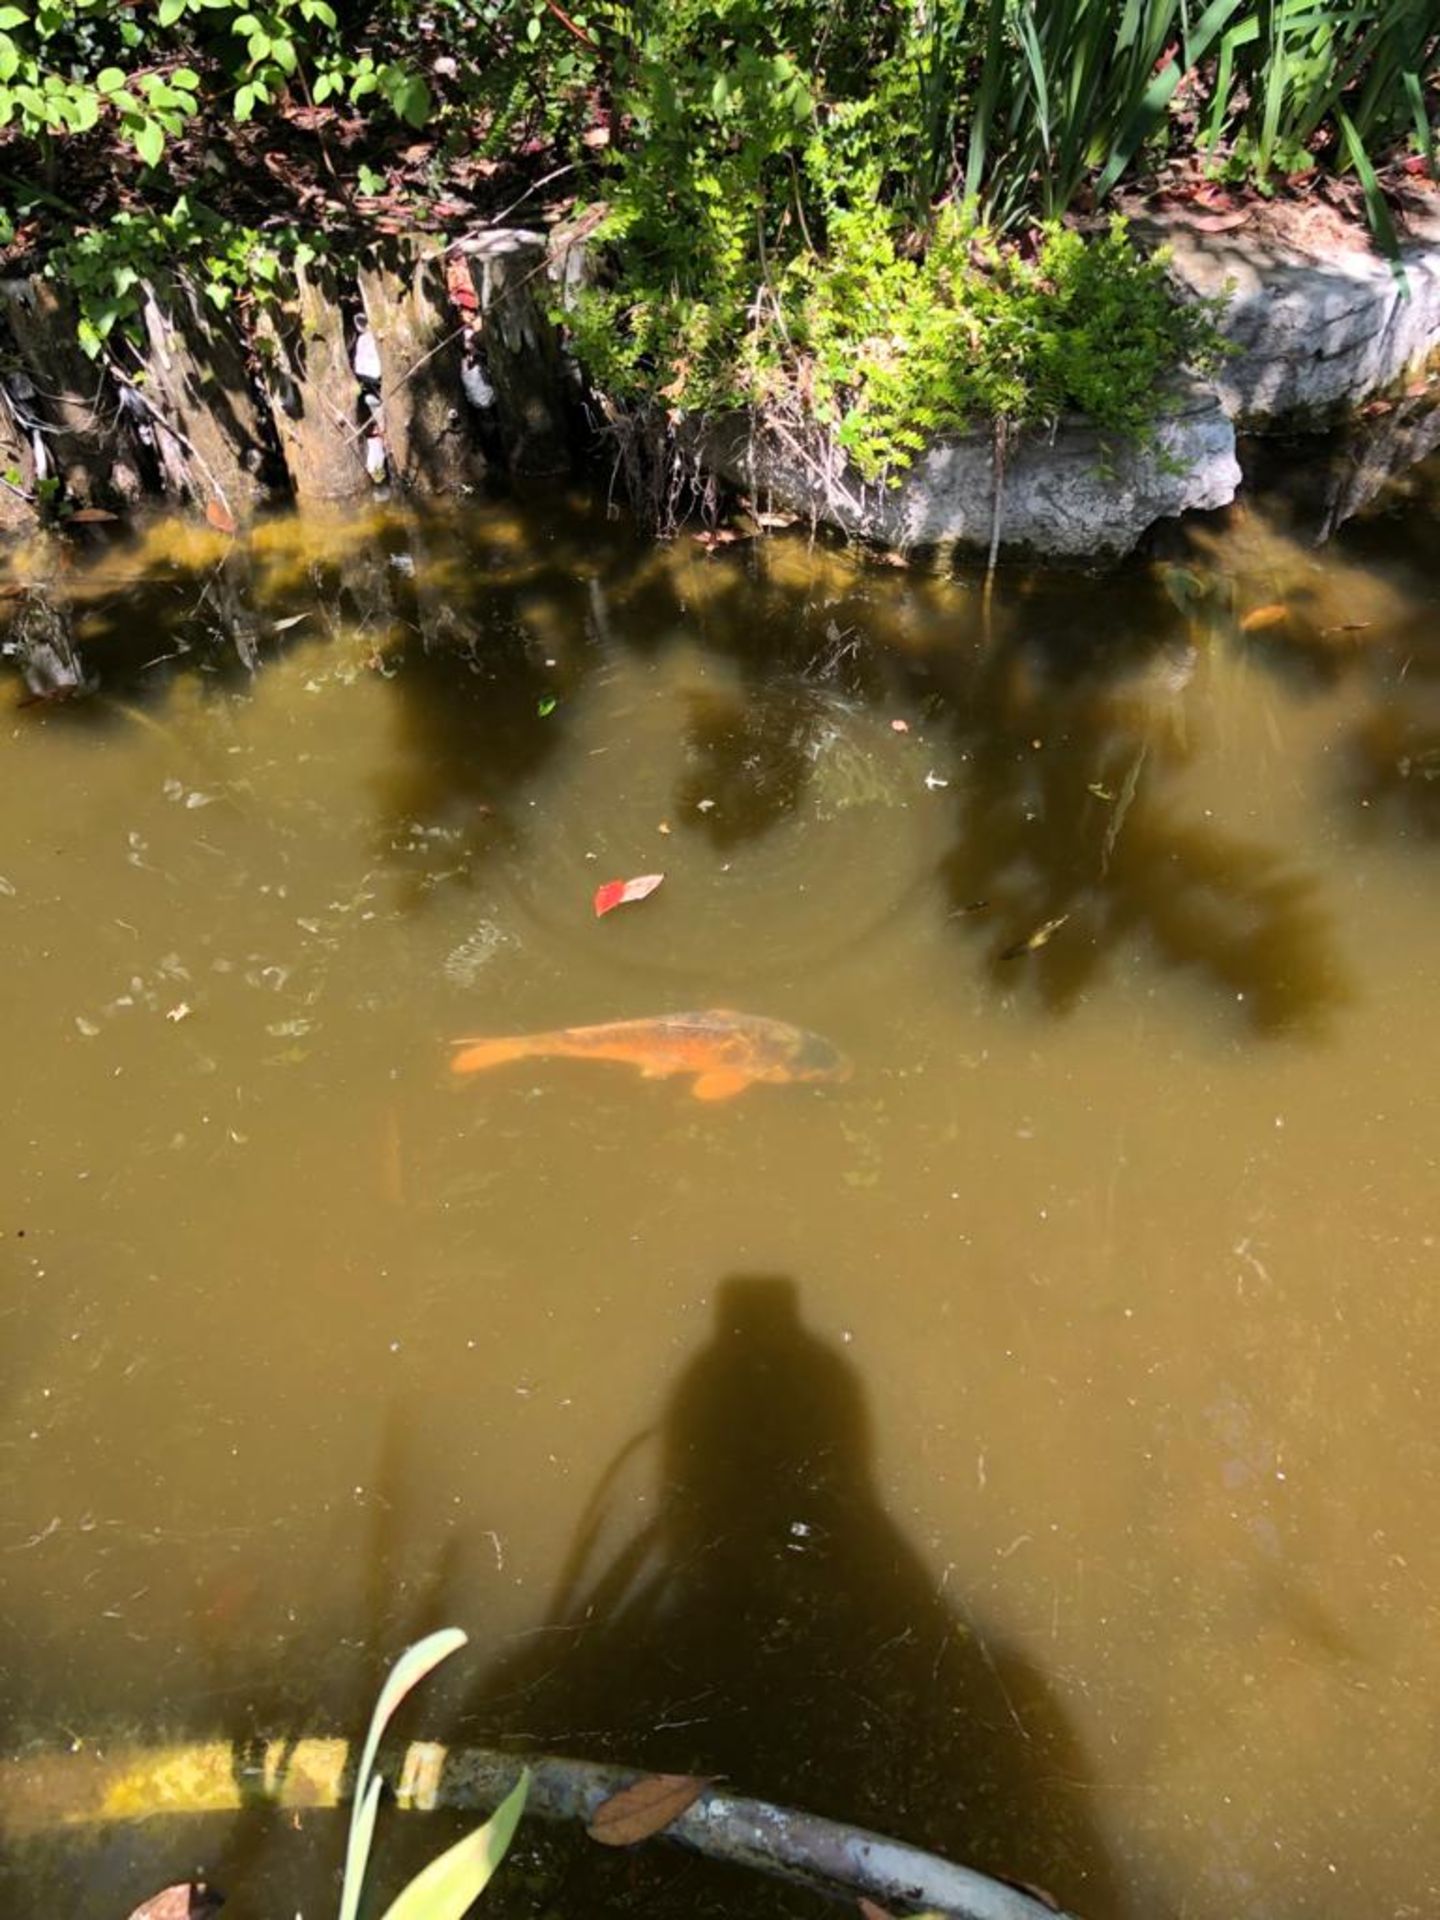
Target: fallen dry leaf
{"x":1259,"y":618}
{"x":187,"y":1900}
{"x":219,"y":516}
{"x":640,"y":1811}
{"x":1217,"y":222}
{"x":871,"y":1911}
{"x":619,"y":893}
{"x":89,"y":516}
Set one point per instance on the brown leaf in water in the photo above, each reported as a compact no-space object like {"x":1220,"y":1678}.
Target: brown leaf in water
{"x":220,"y":517}
{"x":1259,"y":618}
{"x":871,"y":1911}
{"x":89,"y":516}
{"x":619,"y":893}
{"x":644,"y":1809}
{"x":187,"y":1900}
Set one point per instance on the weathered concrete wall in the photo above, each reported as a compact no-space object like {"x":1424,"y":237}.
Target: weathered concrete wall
{"x":430,"y":438}
{"x":1070,"y":494}
{"x":205,"y":418}
{"x":521,"y":351}
{"x":1313,"y":333}
{"x":79,"y":435}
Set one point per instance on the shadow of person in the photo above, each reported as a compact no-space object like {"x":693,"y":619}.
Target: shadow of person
{"x":772,"y":1626}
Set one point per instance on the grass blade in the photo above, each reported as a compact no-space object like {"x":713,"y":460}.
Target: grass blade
{"x":982,"y":120}
{"x":1425,"y":138}
{"x":1381,"y":224}
{"x":446,"y":1888}
{"x":364,"y":1811}
{"x":407,"y":1673}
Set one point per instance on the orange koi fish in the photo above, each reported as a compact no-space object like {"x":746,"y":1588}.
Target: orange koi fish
{"x":727,"y":1052}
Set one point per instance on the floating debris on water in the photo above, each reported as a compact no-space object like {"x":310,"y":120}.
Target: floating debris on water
{"x":463,"y":965}
{"x":1041,"y":937}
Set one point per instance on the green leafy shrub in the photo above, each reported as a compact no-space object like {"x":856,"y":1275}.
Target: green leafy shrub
{"x":883,"y":348}
{"x":106,"y":268}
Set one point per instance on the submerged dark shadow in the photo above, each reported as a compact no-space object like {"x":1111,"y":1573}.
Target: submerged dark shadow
{"x":771,"y":1625}
{"x":1072,"y":847}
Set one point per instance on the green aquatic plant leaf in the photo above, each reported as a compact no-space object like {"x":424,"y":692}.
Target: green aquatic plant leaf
{"x":1379,"y":214}
{"x":363,"y":1815}
{"x":407,"y":1673}
{"x":447,"y":1887}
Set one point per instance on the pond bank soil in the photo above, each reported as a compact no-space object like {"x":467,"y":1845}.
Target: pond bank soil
{"x":434,"y":368}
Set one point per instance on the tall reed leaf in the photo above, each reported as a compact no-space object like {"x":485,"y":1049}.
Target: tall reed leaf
{"x":1379,"y":214}
{"x":446,"y":1888}
{"x":407,"y":1673}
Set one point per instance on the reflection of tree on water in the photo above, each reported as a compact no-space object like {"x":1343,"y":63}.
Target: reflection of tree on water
{"x":771,"y":1625}
{"x":1066,"y":835}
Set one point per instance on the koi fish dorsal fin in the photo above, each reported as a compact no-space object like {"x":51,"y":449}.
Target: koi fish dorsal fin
{"x":723,"y":1084}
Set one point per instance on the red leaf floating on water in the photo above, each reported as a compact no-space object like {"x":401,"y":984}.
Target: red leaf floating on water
{"x":619,"y":893}
{"x":187,"y":1900}
{"x":219,"y":517}
{"x":645,"y":1808}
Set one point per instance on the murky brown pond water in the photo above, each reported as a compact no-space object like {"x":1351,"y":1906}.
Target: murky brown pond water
{"x":1028,"y":1447}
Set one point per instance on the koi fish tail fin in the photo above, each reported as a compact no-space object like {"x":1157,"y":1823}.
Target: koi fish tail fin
{"x":476,"y":1055}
